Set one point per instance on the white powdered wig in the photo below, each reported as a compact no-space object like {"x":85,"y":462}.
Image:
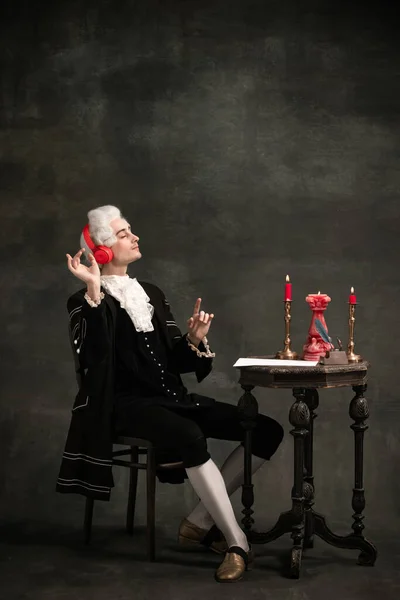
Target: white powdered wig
{"x":100,"y":229}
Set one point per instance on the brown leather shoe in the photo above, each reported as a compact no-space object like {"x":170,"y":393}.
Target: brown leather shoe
{"x":189,"y":533}
{"x":235,"y":563}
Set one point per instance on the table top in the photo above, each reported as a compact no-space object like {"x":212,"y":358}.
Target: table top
{"x":321,"y":376}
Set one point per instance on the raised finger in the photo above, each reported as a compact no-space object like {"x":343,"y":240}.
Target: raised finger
{"x":77,"y":258}
{"x":75,"y":262}
{"x":206,"y":318}
{"x":69,"y":261}
{"x":79,"y":253}
{"x":196,"y":309}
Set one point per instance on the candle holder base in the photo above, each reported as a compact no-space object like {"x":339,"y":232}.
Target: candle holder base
{"x":287,"y":355}
{"x":354,"y":358}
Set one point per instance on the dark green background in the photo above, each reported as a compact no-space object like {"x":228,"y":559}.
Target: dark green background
{"x":243,"y":140}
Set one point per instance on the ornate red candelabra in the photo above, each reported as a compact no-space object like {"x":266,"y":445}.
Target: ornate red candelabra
{"x":315,"y":345}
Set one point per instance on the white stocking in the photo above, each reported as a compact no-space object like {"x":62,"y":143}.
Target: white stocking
{"x":209,"y":485}
{"x":233,"y":472}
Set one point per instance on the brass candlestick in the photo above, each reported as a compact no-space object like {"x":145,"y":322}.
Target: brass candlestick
{"x":287,"y":353}
{"x":351,"y":356}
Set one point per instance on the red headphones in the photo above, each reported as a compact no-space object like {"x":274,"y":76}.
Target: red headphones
{"x":102,"y":254}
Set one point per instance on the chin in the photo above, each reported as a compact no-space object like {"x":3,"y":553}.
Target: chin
{"x":136,"y":256}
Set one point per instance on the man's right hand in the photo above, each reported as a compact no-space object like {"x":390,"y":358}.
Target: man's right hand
{"x":89,"y":275}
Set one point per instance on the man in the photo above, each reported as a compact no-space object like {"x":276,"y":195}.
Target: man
{"x":132,"y":355}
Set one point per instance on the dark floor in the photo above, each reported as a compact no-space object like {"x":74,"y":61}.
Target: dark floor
{"x":38,"y":563}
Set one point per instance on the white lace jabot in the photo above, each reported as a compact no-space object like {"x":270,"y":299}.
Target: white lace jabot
{"x":132,"y":297}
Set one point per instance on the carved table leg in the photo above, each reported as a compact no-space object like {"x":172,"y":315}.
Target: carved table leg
{"x":359,"y":412}
{"x":292,"y":520}
{"x":248,"y":410}
{"x":312,"y":401}
{"x":299,"y":417}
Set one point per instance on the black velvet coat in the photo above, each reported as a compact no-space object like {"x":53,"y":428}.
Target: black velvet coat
{"x":86,"y":466}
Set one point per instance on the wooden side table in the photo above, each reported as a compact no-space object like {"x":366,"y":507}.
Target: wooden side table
{"x":302,"y":521}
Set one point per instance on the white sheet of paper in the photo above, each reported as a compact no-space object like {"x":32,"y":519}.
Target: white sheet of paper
{"x":272,"y":362}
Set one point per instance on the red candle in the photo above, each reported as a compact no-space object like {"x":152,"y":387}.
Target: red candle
{"x":288,"y":289}
{"x":352,"y":297}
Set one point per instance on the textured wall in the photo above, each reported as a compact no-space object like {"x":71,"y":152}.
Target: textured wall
{"x":244,"y":140}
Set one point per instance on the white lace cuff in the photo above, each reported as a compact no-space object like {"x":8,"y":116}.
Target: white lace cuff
{"x":206,"y":354}
{"x":91,"y":302}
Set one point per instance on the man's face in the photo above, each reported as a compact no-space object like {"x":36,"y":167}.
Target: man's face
{"x":126,"y":248}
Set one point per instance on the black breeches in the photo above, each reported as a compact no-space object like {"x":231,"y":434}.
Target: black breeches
{"x":184,"y":432}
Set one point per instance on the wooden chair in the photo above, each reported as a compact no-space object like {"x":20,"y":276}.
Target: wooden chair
{"x":137,"y":448}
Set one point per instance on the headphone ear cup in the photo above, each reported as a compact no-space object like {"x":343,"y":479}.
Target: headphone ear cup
{"x":103,"y":255}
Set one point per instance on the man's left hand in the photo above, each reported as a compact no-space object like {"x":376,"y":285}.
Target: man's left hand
{"x":198,"y":324}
